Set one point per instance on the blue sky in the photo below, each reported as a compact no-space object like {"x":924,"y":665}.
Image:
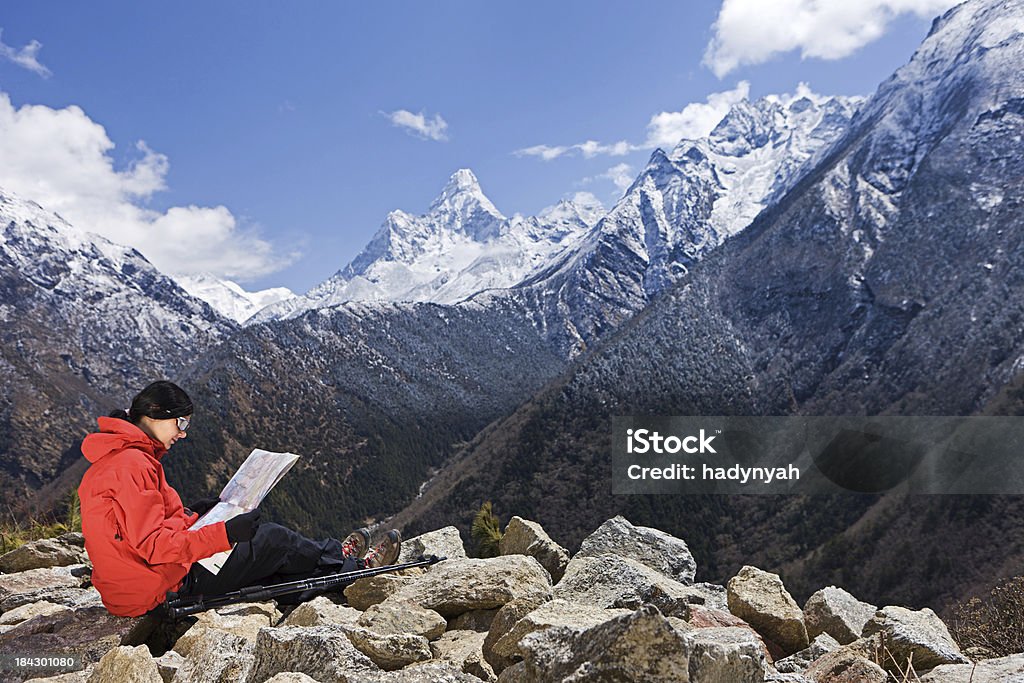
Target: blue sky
{"x":268,"y":149}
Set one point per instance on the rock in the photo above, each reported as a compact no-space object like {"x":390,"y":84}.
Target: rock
{"x":245,"y":625}
{"x":69,"y":677}
{"x":291,"y":677}
{"x":126,"y":664}
{"x":320,"y":611}
{"x":660,"y":551}
{"x":776,"y":677}
{"x":374,"y":590}
{"x":456,"y":586}
{"x":523,"y":537}
{"x":715,"y":596}
{"x":464,"y":649}
{"x":611,"y":581}
{"x":639,"y":646}
{"x":837,"y":613}
{"x":32,"y":609}
{"x":760,"y":599}
{"x":554,"y":614}
{"x":391,"y":651}
{"x":429,"y":672}
{"x":726,"y":654}
{"x":1002,"y":670}
{"x":844,"y":666}
{"x":216,"y":657}
{"x":34,"y":580}
{"x":58,"y":595}
{"x":504,"y":620}
{"x":87,"y":633}
{"x":268,"y":609}
{"x":168,"y":664}
{"x":68,"y":549}
{"x":707,"y":617}
{"x":920,"y":637}
{"x":323,"y":652}
{"x":444,"y":542}
{"x":798,"y":662}
{"x":393,"y":616}
{"x":473,"y":620}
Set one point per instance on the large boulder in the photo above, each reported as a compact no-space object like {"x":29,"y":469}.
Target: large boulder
{"x":373,"y":590}
{"x":504,"y":620}
{"x":613,"y":581}
{"x":444,"y":542}
{"x":245,"y":624}
{"x":33,"y":609}
{"x":456,"y":586}
{"x":87,"y":633}
{"x":126,"y":664}
{"x":639,"y":646}
{"x":69,"y":596}
{"x":68,"y":549}
{"x":464,"y":649}
{"x":837,"y":613}
{"x":33,"y":581}
{"x":1002,"y":670}
{"x":323,"y":652}
{"x":725,"y":655}
{"x":216,"y":657}
{"x":394,"y":616}
{"x":554,"y":614}
{"x":919,"y":637}
{"x":845,"y":666}
{"x":427,"y":672}
{"x":798,"y":662}
{"x":661,"y":552}
{"x":168,"y":664}
{"x":523,"y":537}
{"x":291,"y":677}
{"x":320,"y":611}
{"x":391,"y":651}
{"x":759,"y":598}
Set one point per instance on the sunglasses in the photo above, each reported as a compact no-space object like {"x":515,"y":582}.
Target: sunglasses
{"x":183,"y":423}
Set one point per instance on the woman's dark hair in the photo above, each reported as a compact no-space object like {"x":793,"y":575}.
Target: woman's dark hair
{"x":161,"y":400}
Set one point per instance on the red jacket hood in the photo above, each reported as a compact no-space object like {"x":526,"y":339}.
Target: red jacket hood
{"x":115,"y":435}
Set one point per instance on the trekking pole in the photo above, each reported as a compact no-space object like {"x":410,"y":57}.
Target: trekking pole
{"x":178,"y":606}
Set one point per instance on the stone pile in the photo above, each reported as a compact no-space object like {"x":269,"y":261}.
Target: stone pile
{"x":624,"y":608}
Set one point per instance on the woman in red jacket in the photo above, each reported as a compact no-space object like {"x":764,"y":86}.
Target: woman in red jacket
{"x":137,"y":530}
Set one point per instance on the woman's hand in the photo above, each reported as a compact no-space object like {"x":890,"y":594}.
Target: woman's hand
{"x":201,"y":507}
{"x":243,"y":527}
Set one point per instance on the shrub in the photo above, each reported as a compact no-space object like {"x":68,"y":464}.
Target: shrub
{"x":486,"y":531}
{"x":994,"y":624}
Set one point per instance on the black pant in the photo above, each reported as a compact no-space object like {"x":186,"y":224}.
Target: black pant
{"x":274,"y":555}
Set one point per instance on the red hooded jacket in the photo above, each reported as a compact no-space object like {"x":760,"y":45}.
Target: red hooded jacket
{"x":135,"y":528}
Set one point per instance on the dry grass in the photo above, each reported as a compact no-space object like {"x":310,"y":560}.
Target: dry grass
{"x":15,"y":532}
{"x":993,"y":624}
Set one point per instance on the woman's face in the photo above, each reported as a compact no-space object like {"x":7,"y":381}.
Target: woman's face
{"x":164,"y":431}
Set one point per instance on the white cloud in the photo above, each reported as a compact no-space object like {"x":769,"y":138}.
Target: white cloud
{"x":61,"y":159}
{"x":418,"y":124}
{"x":753,"y":31}
{"x":25,"y":57}
{"x":543,"y":151}
{"x":695,"y":120}
{"x":589,"y":150}
{"x":621,"y":175}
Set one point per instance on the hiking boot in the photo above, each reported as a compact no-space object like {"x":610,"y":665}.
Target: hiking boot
{"x":385,"y":552}
{"x":355,"y":543}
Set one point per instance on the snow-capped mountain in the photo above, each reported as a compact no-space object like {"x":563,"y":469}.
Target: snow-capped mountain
{"x":228,"y":298}
{"x":86,"y":324}
{"x":682,"y":205}
{"x":460,"y":246}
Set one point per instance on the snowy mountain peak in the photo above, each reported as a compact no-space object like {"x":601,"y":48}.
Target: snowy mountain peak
{"x":463,"y":206}
{"x":584,"y":207}
{"x":230,"y":299}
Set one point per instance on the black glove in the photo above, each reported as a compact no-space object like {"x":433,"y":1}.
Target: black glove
{"x":201,"y":507}
{"x":243,"y":527}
